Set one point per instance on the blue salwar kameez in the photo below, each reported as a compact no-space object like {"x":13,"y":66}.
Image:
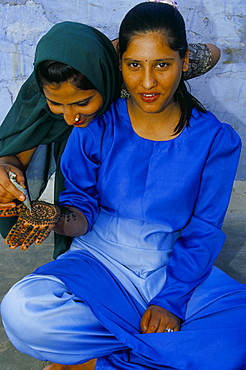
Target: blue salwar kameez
{"x":155,"y":211}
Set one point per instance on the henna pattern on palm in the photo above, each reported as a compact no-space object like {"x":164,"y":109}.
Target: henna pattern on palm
{"x":42,"y":213}
{"x":35,"y":225}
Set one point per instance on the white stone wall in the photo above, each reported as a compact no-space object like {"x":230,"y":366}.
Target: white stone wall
{"x":223,"y":22}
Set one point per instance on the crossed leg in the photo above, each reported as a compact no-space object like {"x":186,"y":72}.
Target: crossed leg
{"x":51,"y":324}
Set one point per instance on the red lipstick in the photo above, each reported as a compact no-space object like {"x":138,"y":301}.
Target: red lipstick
{"x":79,"y":122}
{"x":149,"y":98}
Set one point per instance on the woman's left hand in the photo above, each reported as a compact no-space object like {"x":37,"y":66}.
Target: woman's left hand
{"x":158,"y":320}
{"x":33,"y":226}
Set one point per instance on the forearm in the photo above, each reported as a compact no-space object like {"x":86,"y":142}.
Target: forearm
{"x":20,"y":160}
{"x":72,"y":222}
{"x":202,"y":58}
{"x":215,"y":52}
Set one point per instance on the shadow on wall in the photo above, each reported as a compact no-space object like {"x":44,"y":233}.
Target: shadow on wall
{"x":232,"y":258}
{"x":206,"y":95}
{"x":223,"y":89}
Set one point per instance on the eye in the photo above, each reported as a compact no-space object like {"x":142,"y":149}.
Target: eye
{"x":162,"y":65}
{"x":83,"y":104}
{"x":134,"y":65}
{"x":53,"y":103}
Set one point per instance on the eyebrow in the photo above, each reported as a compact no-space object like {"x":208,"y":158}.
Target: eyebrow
{"x":74,"y":103}
{"x":156,"y":60}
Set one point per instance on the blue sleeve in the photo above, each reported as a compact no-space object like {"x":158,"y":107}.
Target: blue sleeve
{"x":79,"y":164}
{"x":201,"y":240}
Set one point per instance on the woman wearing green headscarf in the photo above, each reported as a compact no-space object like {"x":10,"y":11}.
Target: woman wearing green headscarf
{"x":90,"y":53}
{"x":33,"y":136}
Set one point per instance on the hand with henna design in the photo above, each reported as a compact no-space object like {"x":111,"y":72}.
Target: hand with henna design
{"x":32,"y":226}
{"x":16,"y":211}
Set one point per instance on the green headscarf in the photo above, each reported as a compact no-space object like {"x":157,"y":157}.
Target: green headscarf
{"x":30,"y":123}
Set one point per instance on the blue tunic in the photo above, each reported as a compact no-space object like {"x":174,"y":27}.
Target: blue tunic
{"x":161,"y":203}
{"x":155,"y":211}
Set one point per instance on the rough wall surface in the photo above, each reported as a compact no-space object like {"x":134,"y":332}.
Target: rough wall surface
{"x":222,"y":90}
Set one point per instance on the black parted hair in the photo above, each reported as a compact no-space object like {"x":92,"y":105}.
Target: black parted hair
{"x":51,"y":71}
{"x":167,"y":20}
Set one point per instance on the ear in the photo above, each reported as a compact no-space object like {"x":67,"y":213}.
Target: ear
{"x":186,"y":61}
{"x":120,"y":64}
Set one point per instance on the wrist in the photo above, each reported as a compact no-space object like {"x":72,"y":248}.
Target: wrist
{"x":72,"y":222}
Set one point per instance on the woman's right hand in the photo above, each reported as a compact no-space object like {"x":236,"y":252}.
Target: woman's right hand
{"x":8,"y":192}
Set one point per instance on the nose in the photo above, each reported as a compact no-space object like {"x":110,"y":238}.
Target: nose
{"x":148,"y":78}
{"x":69,"y":115}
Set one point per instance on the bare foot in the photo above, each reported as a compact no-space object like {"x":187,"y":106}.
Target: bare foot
{"x":90,"y":365}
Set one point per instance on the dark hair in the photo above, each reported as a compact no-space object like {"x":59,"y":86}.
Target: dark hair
{"x":165,"y":19}
{"x":51,"y":71}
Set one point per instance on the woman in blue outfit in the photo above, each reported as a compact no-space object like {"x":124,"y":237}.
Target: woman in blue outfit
{"x":147,"y":187}
{"x":32,"y":138}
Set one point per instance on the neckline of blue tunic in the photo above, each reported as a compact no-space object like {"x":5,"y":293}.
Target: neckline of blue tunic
{"x":127,"y":122}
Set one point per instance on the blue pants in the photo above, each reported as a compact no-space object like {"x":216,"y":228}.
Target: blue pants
{"x":45,"y":319}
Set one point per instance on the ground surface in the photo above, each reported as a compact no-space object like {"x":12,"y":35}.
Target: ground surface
{"x":16,"y":264}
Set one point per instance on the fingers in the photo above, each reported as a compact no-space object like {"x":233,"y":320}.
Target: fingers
{"x":8,"y":191}
{"x":13,"y":211}
{"x":23,"y":235}
{"x":29,"y":239}
{"x":14,"y":234}
{"x":156,"y":324}
{"x":20,"y":178}
{"x":17,"y":233}
{"x":145,"y":321}
{"x":37,"y":236}
{"x":43,"y":234}
{"x":8,"y":212}
{"x":4,"y":206}
{"x":158,"y":320}
{"x":166,"y":324}
{"x":20,"y":236}
{"x":169,"y":330}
